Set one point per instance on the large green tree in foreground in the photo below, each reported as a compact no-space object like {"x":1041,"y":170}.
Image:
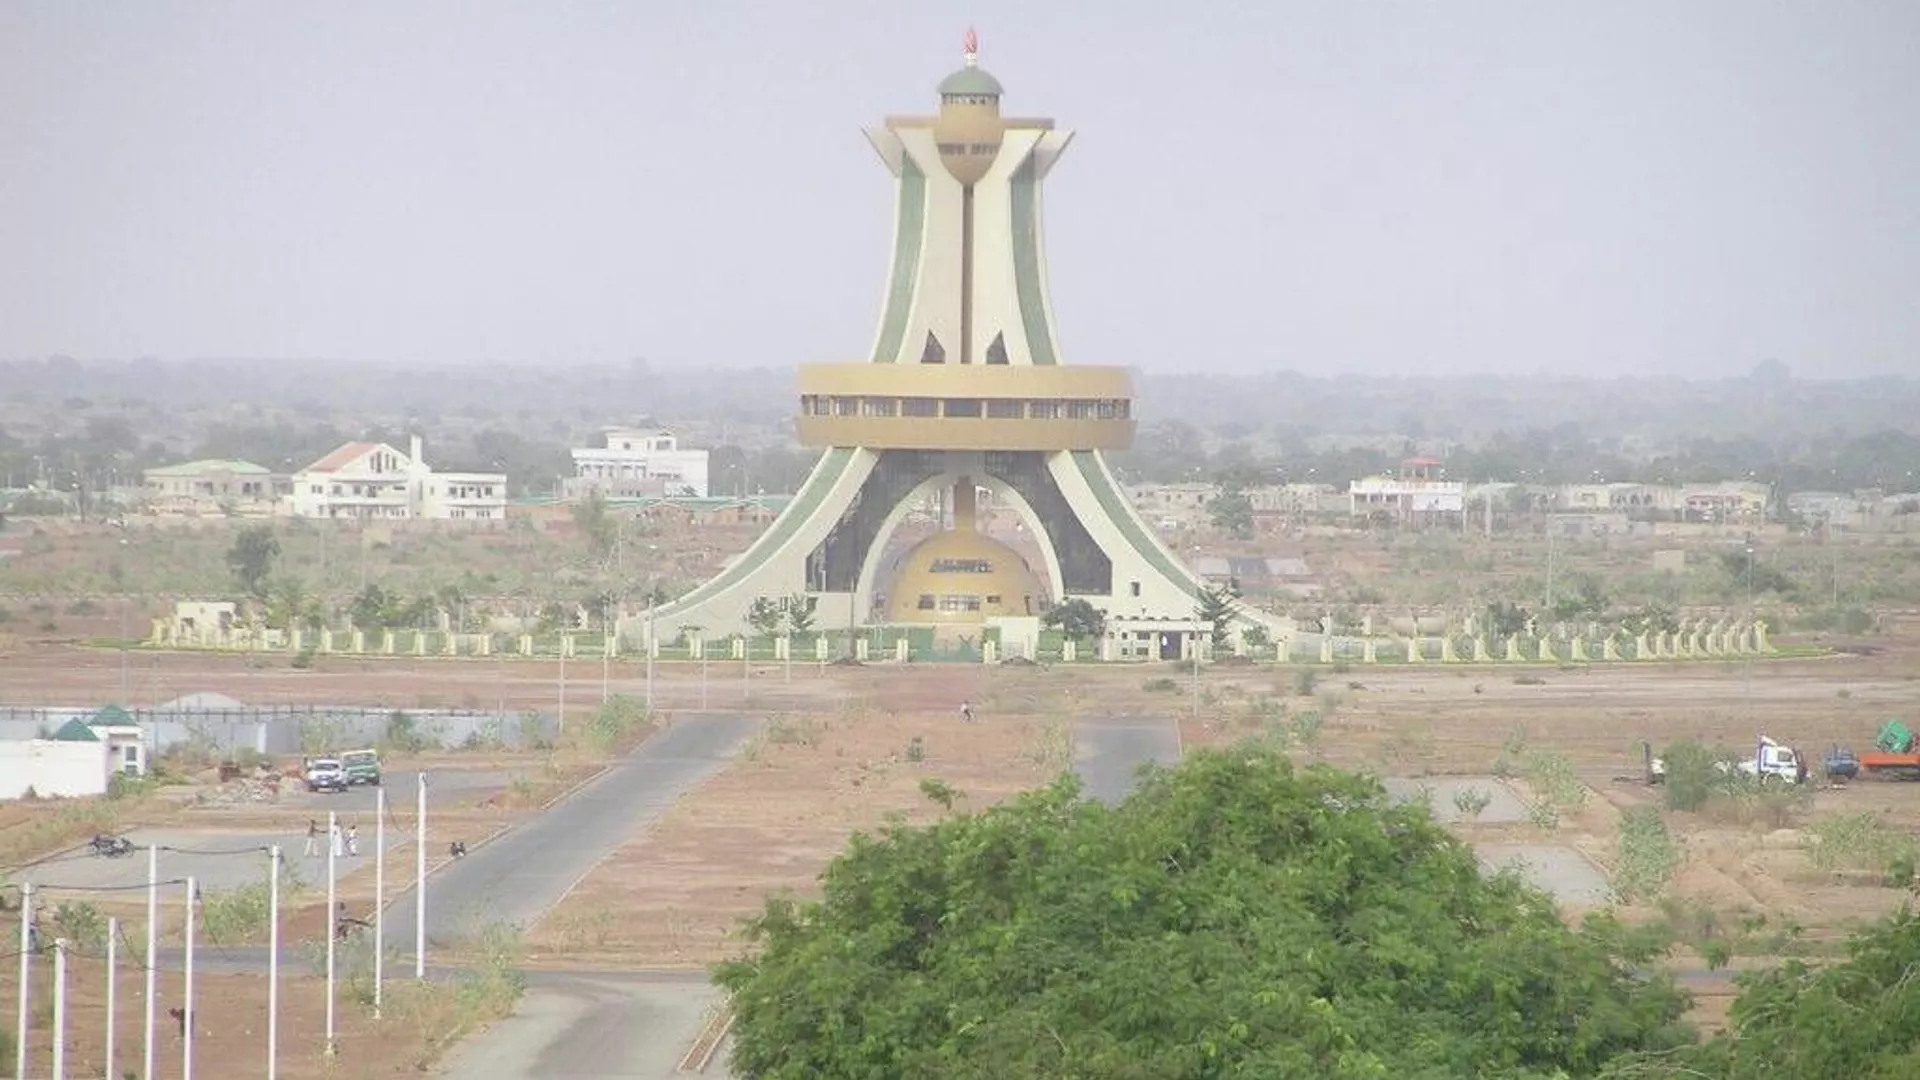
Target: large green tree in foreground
{"x":1232,"y":918}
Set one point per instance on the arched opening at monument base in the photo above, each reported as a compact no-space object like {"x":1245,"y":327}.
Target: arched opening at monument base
{"x":959,"y":575}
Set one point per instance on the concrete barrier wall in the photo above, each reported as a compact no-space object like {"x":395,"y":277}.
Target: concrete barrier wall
{"x":300,"y":729}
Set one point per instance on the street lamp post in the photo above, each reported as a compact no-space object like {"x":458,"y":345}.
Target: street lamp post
{"x":1747,"y":668}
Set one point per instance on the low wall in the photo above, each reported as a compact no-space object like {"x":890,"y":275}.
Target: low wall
{"x":299,"y":729}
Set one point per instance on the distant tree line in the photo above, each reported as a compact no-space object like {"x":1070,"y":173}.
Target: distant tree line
{"x":1173,"y":451}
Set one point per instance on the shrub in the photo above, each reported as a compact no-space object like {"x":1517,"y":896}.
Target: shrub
{"x":917,"y":750}
{"x":784,"y":732}
{"x":403,"y":733}
{"x":1304,"y":682}
{"x":1693,"y":773}
{"x":1862,"y":842}
{"x":236,"y":916}
{"x":1162,"y":685}
{"x":81,"y":924}
{"x":1472,"y":802}
{"x":1647,"y":855}
{"x":619,"y":717}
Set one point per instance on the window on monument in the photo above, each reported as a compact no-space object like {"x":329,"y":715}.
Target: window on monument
{"x":1044,"y":410}
{"x":1134,"y":587}
{"x":846,"y":406}
{"x":1006,"y":410}
{"x":933,"y":352}
{"x":993,"y":599}
{"x":1080,"y":410}
{"x":997,"y":352}
{"x":920,"y":407}
{"x":963,"y":407}
{"x":926,"y":602}
{"x":880,"y":406}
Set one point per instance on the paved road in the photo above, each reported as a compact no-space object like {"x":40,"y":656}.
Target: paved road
{"x":516,"y":877}
{"x":1111,"y":749}
{"x":586,"y":1027}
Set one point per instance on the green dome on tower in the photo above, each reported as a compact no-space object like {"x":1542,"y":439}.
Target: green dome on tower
{"x":970,"y":80}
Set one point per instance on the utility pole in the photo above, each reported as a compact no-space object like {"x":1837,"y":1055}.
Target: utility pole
{"x":26,"y":977}
{"x":273,"y":966}
{"x":189,"y":1019}
{"x":420,"y":882}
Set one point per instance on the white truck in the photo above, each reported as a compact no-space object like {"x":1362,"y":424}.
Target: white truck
{"x":1770,"y":761}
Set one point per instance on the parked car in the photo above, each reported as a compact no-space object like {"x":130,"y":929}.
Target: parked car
{"x":362,"y":767}
{"x":326,"y":774}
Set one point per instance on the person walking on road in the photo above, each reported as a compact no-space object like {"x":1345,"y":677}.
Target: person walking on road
{"x":966,"y":712}
{"x":333,"y":840}
{"x":353,"y":840}
{"x":313,"y":838}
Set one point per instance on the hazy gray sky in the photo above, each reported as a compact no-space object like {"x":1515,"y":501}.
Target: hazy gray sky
{"x":1657,"y":186}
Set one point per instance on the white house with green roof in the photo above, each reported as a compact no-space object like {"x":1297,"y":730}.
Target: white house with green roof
{"x":212,"y":486}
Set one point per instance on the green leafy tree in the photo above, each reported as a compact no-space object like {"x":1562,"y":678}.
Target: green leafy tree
{"x":251,"y":558}
{"x":1077,"y":618}
{"x":1652,"y":619}
{"x":374,"y":608}
{"x":1852,"y":1020}
{"x":765,"y":616}
{"x":1216,"y":610}
{"x":1506,"y":618}
{"x":596,"y":524}
{"x":1233,"y":918}
{"x":800,"y":613}
{"x":1586,"y":600}
{"x":1232,"y":512}
{"x":1744,"y":568}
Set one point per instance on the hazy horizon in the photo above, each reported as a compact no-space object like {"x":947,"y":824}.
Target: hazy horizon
{"x":1639,"y":189}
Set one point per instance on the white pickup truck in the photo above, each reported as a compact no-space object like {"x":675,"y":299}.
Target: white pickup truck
{"x":325,"y":774}
{"x":1770,"y":761}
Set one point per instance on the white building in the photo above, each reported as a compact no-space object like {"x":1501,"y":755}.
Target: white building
{"x":211,"y":487}
{"x":1418,"y":490}
{"x":638,"y":461}
{"x":372,"y":481}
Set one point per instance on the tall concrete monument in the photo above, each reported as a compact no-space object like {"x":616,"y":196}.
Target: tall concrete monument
{"x":964,"y":395}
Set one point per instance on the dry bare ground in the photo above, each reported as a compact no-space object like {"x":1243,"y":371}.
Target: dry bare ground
{"x":836,"y":758}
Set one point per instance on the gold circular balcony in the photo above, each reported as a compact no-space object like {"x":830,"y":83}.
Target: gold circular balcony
{"x":965,"y":407}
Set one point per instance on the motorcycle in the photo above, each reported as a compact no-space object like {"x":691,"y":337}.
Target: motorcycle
{"x":112,"y":847}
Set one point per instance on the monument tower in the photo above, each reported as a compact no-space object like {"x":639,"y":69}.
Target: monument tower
{"x":964,"y":392}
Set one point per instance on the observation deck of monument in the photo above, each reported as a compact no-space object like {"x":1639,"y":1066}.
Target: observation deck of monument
{"x":965,"y":407}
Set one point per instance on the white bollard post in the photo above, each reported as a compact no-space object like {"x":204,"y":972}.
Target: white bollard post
{"x":273,"y":962}
{"x":333,"y":919}
{"x":153,"y":952}
{"x":420,"y":882}
{"x":26,"y":975}
{"x":59,"y":1009}
{"x":113,"y":983}
{"x":379,"y":893}
{"x":186,"y":1041}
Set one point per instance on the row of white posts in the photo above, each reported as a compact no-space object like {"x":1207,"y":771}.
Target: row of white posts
{"x":273,"y":949}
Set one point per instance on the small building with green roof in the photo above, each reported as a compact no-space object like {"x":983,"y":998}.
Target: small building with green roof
{"x":212,"y":485}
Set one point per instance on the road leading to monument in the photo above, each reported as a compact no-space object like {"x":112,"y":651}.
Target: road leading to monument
{"x":1110,"y":750}
{"x":516,"y":877}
